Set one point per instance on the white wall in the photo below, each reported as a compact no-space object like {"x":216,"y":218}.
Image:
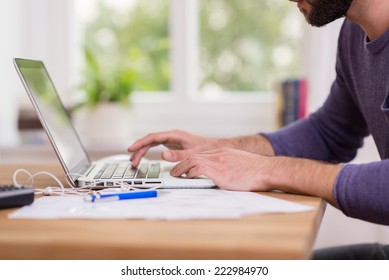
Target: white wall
{"x":37,"y":29}
{"x":46,"y":35}
{"x":10,"y":45}
{"x":320,"y":46}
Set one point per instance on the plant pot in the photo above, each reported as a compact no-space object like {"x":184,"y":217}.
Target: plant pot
{"x":106,"y":125}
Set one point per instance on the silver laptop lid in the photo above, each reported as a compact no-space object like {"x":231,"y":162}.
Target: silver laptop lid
{"x":53,"y":116}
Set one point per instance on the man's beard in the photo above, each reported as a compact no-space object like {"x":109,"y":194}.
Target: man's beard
{"x":326,"y":11}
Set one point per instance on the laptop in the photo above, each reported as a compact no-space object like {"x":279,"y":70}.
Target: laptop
{"x":114,"y":171}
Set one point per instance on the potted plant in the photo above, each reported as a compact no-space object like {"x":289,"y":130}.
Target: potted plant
{"x":103,"y":115}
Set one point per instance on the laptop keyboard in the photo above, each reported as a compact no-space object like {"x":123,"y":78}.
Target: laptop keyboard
{"x":125,"y":171}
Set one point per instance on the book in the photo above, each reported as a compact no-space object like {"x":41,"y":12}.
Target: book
{"x":292,"y":101}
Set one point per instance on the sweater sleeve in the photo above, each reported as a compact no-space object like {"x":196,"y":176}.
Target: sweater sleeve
{"x":361,"y":191}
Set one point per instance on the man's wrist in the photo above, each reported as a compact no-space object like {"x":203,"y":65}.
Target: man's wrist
{"x":256,"y":144}
{"x":305,"y":176}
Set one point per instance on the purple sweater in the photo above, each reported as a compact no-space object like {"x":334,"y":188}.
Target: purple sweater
{"x":358,"y":105}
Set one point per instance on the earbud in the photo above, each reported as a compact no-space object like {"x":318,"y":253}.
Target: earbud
{"x":48,"y":191}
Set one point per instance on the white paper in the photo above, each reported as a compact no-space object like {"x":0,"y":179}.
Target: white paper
{"x":169,"y":205}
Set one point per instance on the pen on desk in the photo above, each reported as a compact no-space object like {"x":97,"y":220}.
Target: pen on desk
{"x":121,"y":196}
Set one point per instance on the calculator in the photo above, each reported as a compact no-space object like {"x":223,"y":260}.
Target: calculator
{"x":14,"y":196}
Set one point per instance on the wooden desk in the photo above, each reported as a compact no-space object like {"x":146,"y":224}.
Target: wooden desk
{"x":274,"y":236}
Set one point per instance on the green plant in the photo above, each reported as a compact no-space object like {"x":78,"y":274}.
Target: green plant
{"x":138,"y":34}
{"x":106,"y":83}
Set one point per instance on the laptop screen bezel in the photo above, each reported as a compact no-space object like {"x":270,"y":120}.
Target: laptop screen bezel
{"x":85,"y":162}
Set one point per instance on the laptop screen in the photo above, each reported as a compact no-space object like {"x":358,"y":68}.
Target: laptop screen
{"x":53,"y":115}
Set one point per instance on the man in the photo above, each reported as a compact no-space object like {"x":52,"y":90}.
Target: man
{"x":305,"y":157}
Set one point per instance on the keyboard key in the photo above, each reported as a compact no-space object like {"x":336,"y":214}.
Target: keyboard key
{"x":153,"y":175}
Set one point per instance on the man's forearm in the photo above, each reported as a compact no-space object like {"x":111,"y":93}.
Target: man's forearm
{"x":295,"y":175}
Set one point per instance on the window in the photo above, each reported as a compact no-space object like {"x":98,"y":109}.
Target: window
{"x":246,"y":46}
{"x":242,"y":46}
{"x":199,"y":58}
{"x":54,"y":31}
{"x":130,"y":33}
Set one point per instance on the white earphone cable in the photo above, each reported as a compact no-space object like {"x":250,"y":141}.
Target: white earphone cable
{"x":60,"y":189}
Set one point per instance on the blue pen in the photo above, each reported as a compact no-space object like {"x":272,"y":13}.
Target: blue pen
{"x":121,"y":196}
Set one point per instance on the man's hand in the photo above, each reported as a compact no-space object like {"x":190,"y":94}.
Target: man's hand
{"x":229,"y":168}
{"x":244,"y":171}
{"x":183,"y":144}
